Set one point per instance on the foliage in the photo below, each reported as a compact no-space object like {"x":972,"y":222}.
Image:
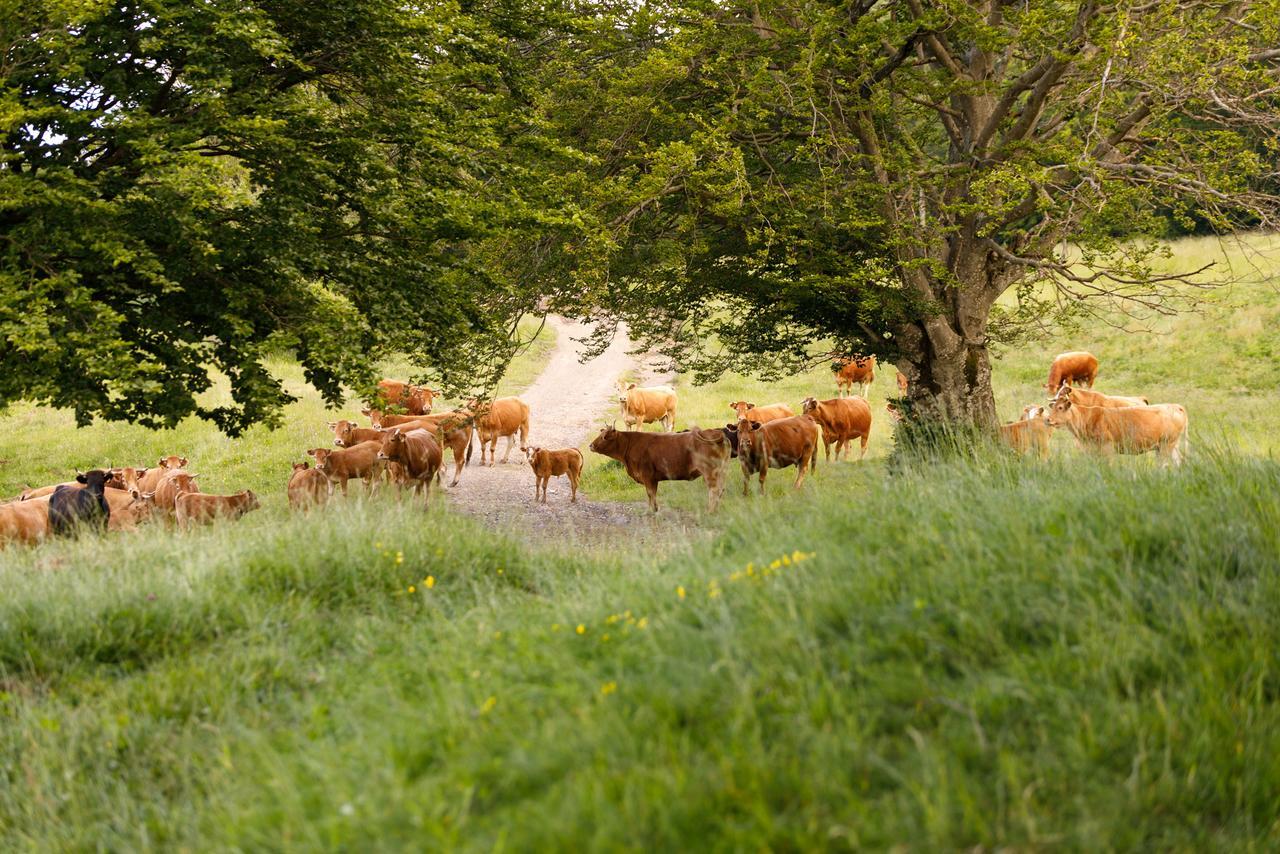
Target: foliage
{"x":186,"y":187}
{"x":761,"y":177}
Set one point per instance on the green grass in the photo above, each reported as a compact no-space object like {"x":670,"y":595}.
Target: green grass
{"x":43,"y":446}
{"x":977,"y":652}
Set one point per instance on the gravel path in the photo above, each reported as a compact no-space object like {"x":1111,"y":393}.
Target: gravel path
{"x":566,"y":403}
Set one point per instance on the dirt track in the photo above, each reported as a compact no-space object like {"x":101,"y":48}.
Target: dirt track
{"x":566,"y":403}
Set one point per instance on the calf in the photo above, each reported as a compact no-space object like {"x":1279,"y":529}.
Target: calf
{"x":859,"y":371}
{"x":1032,"y":432}
{"x":640,"y":406}
{"x":505,"y":416}
{"x":340,"y":465}
{"x":453,"y":430}
{"x":418,"y":452}
{"x":308,"y":487}
{"x":548,"y":464}
{"x":70,"y":508}
{"x":1076,"y":367}
{"x":174,"y":483}
{"x":1126,"y":430}
{"x":195,"y":507}
{"x":785,"y":442}
{"x":841,"y":419}
{"x":763,"y":414}
{"x":651,"y":458}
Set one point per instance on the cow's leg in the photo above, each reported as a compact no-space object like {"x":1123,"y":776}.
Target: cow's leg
{"x":652,"y":489}
{"x":863,"y":454}
{"x":344,"y":487}
{"x":802,"y":466}
{"x":746,"y":481}
{"x":573,"y":487}
{"x":826,"y":444}
{"x":457,"y":462}
{"x":511,"y":443}
{"x":764,"y":472}
{"x":715,"y":488}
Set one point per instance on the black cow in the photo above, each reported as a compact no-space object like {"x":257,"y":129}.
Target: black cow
{"x":71,"y":506}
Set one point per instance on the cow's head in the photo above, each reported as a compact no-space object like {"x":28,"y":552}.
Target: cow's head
{"x":624,"y":388}
{"x":172,"y":462}
{"x":142,"y":504}
{"x":421,"y":398}
{"x":1032,"y":411}
{"x":127,"y":477}
{"x":342,"y":432}
{"x":185,"y":482}
{"x":809,"y":404}
{"x":1059,"y":412}
{"x":747,"y":435}
{"x":741,"y":407}
{"x":297,"y":467}
{"x":321,"y":457}
{"x":607,"y":441}
{"x":248,"y":501}
{"x":95,"y":479}
{"x":392,"y":446}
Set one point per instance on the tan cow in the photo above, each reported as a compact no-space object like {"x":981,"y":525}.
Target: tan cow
{"x":172,"y":484}
{"x":307,"y":487}
{"x":1032,"y":432}
{"x":651,"y":458}
{"x":547,"y":464}
{"x":150,"y":478}
{"x":505,"y":416}
{"x":418,"y":452}
{"x":763,"y":414}
{"x":859,"y":371}
{"x":129,"y":508}
{"x":1076,"y":367}
{"x":777,"y":444}
{"x":1085,"y":397}
{"x":340,"y":465}
{"x":841,"y":419}
{"x":24,"y":521}
{"x":415,"y":399}
{"x":1127,"y":429}
{"x":193,"y":507}
{"x":647,"y":405}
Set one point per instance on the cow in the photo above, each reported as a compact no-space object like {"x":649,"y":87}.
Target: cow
{"x":777,"y":444}
{"x":116,"y":480}
{"x":340,"y":465}
{"x":841,"y":419}
{"x":902,"y":384}
{"x":415,"y":399}
{"x":418,"y":452}
{"x":647,"y":405}
{"x":129,"y":508}
{"x":859,"y":371}
{"x":651,"y":458}
{"x":195,"y":507}
{"x":174,"y":482}
{"x":763,"y":414}
{"x":150,"y":478}
{"x":1085,"y":397}
{"x":547,"y":464}
{"x":347,"y":434}
{"x":1076,"y":367}
{"x":505,"y":416}
{"x":24,"y":521}
{"x":1032,"y":432}
{"x":127,"y":478}
{"x":1160,"y":427}
{"x":386,"y":421}
{"x":453,"y":430}
{"x":70,"y":507}
{"x":307,"y":487}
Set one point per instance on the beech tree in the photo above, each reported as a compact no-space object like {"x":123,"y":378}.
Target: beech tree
{"x":188,"y":186}
{"x":760,"y":175}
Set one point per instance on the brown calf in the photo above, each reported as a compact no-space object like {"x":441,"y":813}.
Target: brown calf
{"x":841,"y":419}
{"x":307,"y":487}
{"x":651,"y":458}
{"x":195,"y":507}
{"x":174,"y":482}
{"x":340,"y":465}
{"x":150,"y":478}
{"x":548,"y":464}
{"x":777,"y":444}
{"x":418,"y":452}
{"x":1031,"y":433}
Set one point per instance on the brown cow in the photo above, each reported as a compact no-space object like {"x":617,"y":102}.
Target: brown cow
{"x":340,"y":465}
{"x":1127,"y":429}
{"x":195,"y":507}
{"x":1084,"y":397}
{"x":505,"y":416}
{"x":150,"y":478}
{"x":418,"y":452}
{"x":415,"y":399}
{"x":347,"y":434}
{"x":651,"y":458}
{"x":1032,"y":432}
{"x":453,"y":430}
{"x":174,"y":483}
{"x":24,"y":521}
{"x":646,"y":405}
{"x":307,"y":487}
{"x":763,"y":414}
{"x":859,"y":371}
{"x":1076,"y":367}
{"x":785,"y":442}
{"x":548,"y":464}
{"x":841,"y":419}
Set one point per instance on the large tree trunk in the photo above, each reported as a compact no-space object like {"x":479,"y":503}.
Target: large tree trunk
{"x":945,"y":359}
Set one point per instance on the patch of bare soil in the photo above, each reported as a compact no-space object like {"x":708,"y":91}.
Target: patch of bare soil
{"x":566,"y":403}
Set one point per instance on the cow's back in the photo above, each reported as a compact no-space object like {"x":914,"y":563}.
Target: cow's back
{"x":844,"y":416}
{"x":24,"y":521}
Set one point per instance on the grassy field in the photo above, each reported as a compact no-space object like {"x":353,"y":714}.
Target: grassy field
{"x":977,"y":652}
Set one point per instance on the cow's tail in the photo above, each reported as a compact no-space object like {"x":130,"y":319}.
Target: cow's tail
{"x":471,"y":440}
{"x":524,"y":432}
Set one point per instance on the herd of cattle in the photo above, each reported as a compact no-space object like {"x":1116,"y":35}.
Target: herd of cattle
{"x":407,"y":449}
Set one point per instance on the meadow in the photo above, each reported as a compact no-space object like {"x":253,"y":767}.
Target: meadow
{"x":966,"y":651}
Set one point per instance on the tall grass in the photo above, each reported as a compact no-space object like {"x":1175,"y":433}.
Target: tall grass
{"x":970,"y":653}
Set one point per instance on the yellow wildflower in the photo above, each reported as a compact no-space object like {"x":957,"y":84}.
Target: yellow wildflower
{"x":582,"y":630}
{"x":412,"y":589}
{"x":786,"y":560}
{"x":644,"y":621}
{"x":399,"y":557}
{"x":604,"y":637}
{"x":919,"y":603}
{"x":430,"y":581}
{"x":680,"y":592}
{"x":488,"y":705}
{"x":775,"y":564}
{"x":608,"y":688}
